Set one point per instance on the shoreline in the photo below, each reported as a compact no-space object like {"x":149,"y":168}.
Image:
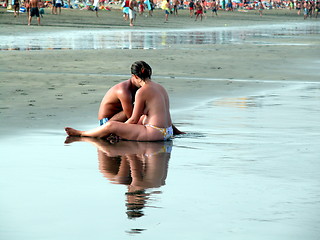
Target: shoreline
{"x":83,"y":19}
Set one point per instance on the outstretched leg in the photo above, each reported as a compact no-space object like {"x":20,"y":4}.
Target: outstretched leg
{"x":98,"y":132}
{"x":126,"y":131}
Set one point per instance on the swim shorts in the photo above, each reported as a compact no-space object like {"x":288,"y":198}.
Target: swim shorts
{"x":103,"y":121}
{"x":132,"y":14}
{"x":34,"y":12}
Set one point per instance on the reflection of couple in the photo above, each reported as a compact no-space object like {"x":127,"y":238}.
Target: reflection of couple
{"x":147,"y":120}
{"x":139,"y":165}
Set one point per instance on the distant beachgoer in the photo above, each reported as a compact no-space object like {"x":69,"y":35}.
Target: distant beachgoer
{"x":223,"y":4}
{"x":291,"y":5}
{"x":150,"y":120}
{"x":34,"y":11}
{"x":298,"y":7}
{"x":166,"y":6}
{"x":261,"y":8}
{"x":16,"y":7}
{"x":125,"y":10}
{"x":214,"y":8}
{"x":317,"y":9}
{"x":152,"y":5}
{"x":199,"y":10}
{"x":27,"y":6}
{"x":41,"y":8}
{"x":305,"y":10}
{"x":175,"y":4}
{"x":229,"y":6}
{"x":311,"y":8}
{"x":133,"y":5}
{"x":204,"y":8}
{"x":59,"y":4}
{"x":141,"y":7}
{"x":191,"y":8}
{"x":53,"y":9}
{"x":96,"y":6}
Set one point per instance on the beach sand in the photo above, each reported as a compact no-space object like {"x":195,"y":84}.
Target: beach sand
{"x":246,"y":169}
{"x":59,"y":87}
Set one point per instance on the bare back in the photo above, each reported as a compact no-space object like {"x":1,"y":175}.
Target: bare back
{"x":152,"y":100}
{"x":118,"y":98}
{"x":33,"y":3}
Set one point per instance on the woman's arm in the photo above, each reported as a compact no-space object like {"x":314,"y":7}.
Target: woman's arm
{"x":138,"y":108}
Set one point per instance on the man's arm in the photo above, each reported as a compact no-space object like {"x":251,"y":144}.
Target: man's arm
{"x":126,"y":103}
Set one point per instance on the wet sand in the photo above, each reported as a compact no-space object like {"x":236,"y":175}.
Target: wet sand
{"x":59,"y":87}
{"x":248,"y":167}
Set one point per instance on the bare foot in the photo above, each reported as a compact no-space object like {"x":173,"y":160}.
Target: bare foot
{"x":72,"y":132}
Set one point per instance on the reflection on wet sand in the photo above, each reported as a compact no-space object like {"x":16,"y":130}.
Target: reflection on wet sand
{"x":139,"y":165}
{"x":151,"y":39}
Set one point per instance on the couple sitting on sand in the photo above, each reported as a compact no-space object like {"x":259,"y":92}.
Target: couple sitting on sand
{"x":136,"y":109}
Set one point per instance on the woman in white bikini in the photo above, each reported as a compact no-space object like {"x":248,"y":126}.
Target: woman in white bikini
{"x":150,"y":120}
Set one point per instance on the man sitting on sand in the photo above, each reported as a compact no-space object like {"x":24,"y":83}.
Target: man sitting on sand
{"x":117,"y":104}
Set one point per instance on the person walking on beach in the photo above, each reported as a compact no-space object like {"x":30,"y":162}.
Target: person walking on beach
{"x":298,"y":7}
{"x":317,"y":9}
{"x":199,"y":10}
{"x":150,"y":120}
{"x":96,"y":7}
{"x":34,"y":11}
{"x":27,"y":6}
{"x":229,"y":6}
{"x":305,"y":10}
{"x":175,"y":7}
{"x":260,"y":7}
{"x":125,"y":10}
{"x":141,"y":7}
{"x":53,"y":7}
{"x":59,"y":4}
{"x":133,"y":6}
{"x":166,"y":6}
{"x":16,"y":7}
{"x":150,"y":5}
{"x":191,"y":8}
{"x":214,"y":8}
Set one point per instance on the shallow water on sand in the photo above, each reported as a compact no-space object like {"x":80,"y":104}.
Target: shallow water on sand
{"x":159,"y":39}
{"x":248,"y":168}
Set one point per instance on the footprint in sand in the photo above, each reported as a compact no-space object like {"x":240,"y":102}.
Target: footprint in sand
{"x":31,"y":102}
{"x":59,"y":96}
{"x":83,"y":83}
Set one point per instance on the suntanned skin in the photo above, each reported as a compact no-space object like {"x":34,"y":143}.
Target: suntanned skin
{"x":151,"y":107}
{"x":33,"y":4}
{"x":117,"y":104}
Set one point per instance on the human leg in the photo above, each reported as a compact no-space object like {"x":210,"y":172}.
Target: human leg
{"x":126,"y":131}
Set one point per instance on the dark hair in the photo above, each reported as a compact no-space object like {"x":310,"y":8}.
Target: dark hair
{"x":141,"y":69}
